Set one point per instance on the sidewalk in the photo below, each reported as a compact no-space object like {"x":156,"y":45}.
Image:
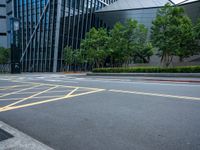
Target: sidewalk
{"x":17,"y":140}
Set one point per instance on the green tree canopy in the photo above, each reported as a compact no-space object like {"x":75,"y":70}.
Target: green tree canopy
{"x":172,"y":33}
{"x":117,"y":44}
{"x":129,"y":43}
{"x":4,"y":55}
{"x":68,"y":55}
{"x":124,"y":44}
{"x":197,"y":29}
{"x":95,"y":46}
{"x":197,"y":35}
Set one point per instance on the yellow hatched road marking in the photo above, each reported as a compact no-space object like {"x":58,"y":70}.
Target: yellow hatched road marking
{"x":70,"y":93}
{"x":10,"y":87}
{"x":28,"y":97}
{"x":51,"y":100}
{"x":37,"y":97}
{"x":58,"y":91}
{"x":53,"y":86}
{"x":89,"y":88}
{"x":19,"y":91}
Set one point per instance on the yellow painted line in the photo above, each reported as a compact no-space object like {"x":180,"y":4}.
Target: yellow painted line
{"x":42,"y":87}
{"x":16,"y":99}
{"x":50,"y":100}
{"x":89,"y":88}
{"x":9,"y":99}
{"x":37,"y":92}
{"x":157,"y":94}
{"x":29,"y":97}
{"x":18,"y":91}
{"x":70,"y":93}
{"x":62,"y":91}
{"x":11,"y":87}
{"x":90,"y":92}
{"x":26,"y":93}
{"x":48,"y":96}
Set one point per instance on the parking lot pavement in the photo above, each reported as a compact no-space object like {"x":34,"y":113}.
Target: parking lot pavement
{"x":80,"y":112}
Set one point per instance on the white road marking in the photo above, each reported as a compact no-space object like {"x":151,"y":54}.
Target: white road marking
{"x":136,"y":82}
{"x":157,"y":94}
{"x":60,"y":81}
{"x":170,"y":84}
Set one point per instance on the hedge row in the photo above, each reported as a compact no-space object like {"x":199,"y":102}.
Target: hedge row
{"x":188,"y":69}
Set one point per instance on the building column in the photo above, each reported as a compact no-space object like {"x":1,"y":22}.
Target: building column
{"x":55,"y":60}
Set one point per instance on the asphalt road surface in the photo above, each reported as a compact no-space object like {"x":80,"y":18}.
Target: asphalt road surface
{"x":76,"y":112}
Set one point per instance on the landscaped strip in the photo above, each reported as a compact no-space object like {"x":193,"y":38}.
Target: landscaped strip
{"x":184,"y":69}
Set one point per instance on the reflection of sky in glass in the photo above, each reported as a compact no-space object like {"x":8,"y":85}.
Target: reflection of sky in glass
{"x":179,"y":1}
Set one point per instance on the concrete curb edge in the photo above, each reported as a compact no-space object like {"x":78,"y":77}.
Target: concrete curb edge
{"x":196,"y":75}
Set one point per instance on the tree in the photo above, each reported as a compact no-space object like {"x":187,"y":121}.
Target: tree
{"x":143,"y":53}
{"x":197,"y":35}
{"x":129,"y":43}
{"x":138,"y":46}
{"x":117,"y":45}
{"x":78,"y":58}
{"x":4,"y":55}
{"x":197,"y":29}
{"x":125,"y":44}
{"x":172,"y":34}
{"x":95,"y":46}
{"x":186,"y":36}
{"x":68,"y":57}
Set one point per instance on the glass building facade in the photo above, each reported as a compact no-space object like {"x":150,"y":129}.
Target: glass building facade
{"x":47,"y":26}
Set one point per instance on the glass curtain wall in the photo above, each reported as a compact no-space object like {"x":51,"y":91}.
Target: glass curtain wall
{"x":47,"y":26}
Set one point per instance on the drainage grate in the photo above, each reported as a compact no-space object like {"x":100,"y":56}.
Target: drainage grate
{"x":4,"y":135}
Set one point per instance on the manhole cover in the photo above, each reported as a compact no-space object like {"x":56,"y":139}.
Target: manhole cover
{"x":4,"y":135}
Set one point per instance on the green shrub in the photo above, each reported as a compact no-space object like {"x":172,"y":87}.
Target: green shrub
{"x":185,"y":69}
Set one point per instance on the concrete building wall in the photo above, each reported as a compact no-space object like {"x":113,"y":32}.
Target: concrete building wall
{"x":192,"y":10}
{"x":144,"y":16}
{"x":3,"y":26}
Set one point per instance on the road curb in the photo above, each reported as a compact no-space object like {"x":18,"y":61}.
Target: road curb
{"x":180,"y":81}
{"x":196,"y":75}
{"x":20,"y":141}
